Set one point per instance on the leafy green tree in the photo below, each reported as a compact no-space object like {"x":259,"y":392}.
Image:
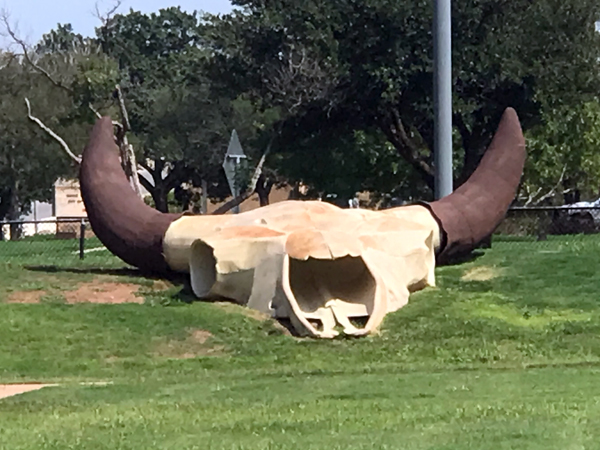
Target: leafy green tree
{"x":181,"y":124}
{"x":77,"y":66}
{"x":30,"y":162}
{"x":64,"y":80}
{"x":180,"y":128}
{"x":564,"y":163}
{"x":335,"y":68}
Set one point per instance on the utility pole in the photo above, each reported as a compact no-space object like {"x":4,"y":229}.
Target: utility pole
{"x":442,"y":92}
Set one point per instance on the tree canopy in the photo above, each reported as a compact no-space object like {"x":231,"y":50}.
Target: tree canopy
{"x":341,"y":92}
{"x":347,"y":66}
{"x":29,"y":165}
{"x":180,"y":122}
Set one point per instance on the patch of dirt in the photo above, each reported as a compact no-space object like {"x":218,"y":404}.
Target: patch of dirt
{"x":253,"y":314}
{"x":484,"y":273}
{"x":200,"y":336}
{"x":161,"y":285}
{"x":28,"y":297}
{"x":196,"y":344}
{"x":9,"y":390}
{"x":98,"y":292}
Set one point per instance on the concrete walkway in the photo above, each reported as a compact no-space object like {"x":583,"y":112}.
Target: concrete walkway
{"x":8,"y":390}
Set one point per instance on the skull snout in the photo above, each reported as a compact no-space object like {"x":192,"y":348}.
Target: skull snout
{"x":331,"y":295}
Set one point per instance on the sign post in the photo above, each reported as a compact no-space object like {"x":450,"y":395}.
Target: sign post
{"x":232,"y":164}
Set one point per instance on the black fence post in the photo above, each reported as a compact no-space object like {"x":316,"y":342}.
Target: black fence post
{"x":82,"y":239}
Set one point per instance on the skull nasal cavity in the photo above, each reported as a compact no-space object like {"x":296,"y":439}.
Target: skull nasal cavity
{"x":203,"y":271}
{"x":315,"y":282}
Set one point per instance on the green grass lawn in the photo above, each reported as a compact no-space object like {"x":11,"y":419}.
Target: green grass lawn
{"x":504,"y":353}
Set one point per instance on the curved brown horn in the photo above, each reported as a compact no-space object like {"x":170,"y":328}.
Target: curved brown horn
{"x":127,"y":226}
{"x":475,"y":209}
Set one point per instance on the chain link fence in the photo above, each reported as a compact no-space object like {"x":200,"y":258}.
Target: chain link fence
{"x":39,"y":241}
{"x":71,"y":240}
{"x":541,"y":224}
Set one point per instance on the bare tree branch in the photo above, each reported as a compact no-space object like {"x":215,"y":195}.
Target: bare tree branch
{"x":4,"y":17}
{"x":551,"y":193}
{"x":95,"y":111}
{"x":396,"y":133}
{"x":7,"y":59}
{"x":123,"y":145}
{"x":51,"y":133}
{"x":145,"y":183}
{"x":530,"y":196}
{"x":128,"y":160}
{"x":105,"y":18}
{"x":12,"y":33}
{"x":145,"y":166}
{"x":173,"y":178}
{"x":123,"y":110}
{"x":299,"y":78}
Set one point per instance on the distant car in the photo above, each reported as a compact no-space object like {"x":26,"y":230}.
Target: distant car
{"x":577,"y":218}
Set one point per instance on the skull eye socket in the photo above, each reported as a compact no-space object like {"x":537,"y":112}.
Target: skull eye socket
{"x":332,"y":292}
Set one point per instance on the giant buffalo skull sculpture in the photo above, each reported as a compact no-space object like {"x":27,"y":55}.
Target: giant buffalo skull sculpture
{"x":322,"y":267}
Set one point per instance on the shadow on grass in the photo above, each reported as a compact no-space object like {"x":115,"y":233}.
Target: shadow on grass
{"x":462,"y":259}
{"x":185,"y":294}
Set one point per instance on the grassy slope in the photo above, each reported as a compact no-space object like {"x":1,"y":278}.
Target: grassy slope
{"x":504,"y":357}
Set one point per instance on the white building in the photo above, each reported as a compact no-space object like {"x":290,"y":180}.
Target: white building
{"x":67,"y":204}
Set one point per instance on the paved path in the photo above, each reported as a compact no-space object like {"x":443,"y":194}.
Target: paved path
{"x":8,"y":390}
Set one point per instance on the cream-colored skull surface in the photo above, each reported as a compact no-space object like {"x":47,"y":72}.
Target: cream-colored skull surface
{"x":323,"y":267}
{"x":326,"y":269}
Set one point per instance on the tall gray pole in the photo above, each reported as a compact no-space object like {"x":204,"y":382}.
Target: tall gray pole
{"x":442,"y":92}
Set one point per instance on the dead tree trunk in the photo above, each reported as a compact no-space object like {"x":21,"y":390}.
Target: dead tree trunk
{"x":159,"y":187}
{"x":127,"y":154}
{"x":263,"y":189}
{"x":16,"y":231}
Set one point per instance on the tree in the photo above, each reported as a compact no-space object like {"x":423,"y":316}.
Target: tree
{"x":181,"y":125}
{"x":30,"y":162}
{"x":181,"y":122}
{"x":371,"y":63}
{"x":80,"y":68}
{"x":180,"y":129}
{"x":563,"y":164}
{"x":90,"y":76}
{"x":74,"y":66}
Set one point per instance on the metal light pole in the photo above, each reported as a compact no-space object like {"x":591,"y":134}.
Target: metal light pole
{"x":442,"y":92}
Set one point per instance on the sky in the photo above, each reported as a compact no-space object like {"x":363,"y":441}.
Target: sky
{"x":36,"y":17}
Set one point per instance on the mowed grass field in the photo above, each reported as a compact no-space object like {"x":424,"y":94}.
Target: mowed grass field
{"x":504,"y":353}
